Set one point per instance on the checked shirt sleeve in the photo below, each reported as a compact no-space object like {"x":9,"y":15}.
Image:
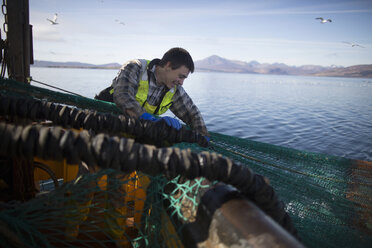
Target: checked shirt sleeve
{"x":185,"y":109}
{"x":125,"y":87}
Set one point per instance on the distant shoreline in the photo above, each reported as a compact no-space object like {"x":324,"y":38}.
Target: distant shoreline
{"x":78,"y":67}
{"x":322,"y":74}
{"x":218,"y":64}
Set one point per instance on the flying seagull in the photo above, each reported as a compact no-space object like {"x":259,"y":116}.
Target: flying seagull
{"x":322,"y":20}
{"x":120,"y":22}
{"x":54,"y":21}
{"x":353,"y":44}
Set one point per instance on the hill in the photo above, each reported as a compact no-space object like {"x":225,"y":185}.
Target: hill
{"x":219,"y":64}
{"x":363,"y":71}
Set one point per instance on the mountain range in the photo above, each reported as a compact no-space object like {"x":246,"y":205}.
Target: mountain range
{"x":219,"y":64}
{"x":216,"y":63}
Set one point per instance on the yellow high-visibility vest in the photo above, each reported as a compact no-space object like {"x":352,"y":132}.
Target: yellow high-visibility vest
{"x":143,"y":91}
{"x":141,"y":97}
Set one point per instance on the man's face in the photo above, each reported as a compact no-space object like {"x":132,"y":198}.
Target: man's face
{"x":175,"y":77}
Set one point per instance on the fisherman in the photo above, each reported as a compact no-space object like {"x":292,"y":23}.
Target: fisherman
{"x":146,"y":89}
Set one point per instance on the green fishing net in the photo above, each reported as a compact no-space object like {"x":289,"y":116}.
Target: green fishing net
{"x":328,"y":198}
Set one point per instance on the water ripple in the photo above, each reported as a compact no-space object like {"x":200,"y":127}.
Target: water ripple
{"x":317,"y":114}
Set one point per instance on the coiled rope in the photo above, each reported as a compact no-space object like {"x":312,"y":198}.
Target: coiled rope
{"x":65,"y":116}
{"x":126,"y":155}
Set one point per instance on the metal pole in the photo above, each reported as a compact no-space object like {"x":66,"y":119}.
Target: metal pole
{"x":19,"y":40}
{"x":225,"y":219}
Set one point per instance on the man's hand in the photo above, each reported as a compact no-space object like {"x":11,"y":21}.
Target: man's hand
{"x":147,"y":116}
{"x":168,"y":120}
{"x":208,"y":139}
{"x":131,"y":113}
{"x":171,"y":122}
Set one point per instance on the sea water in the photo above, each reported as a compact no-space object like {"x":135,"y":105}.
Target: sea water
{"x":327,"y":115}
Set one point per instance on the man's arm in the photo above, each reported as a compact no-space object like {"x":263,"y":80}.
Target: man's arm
{"x":125,"y":88}
{"x":185,"y":109}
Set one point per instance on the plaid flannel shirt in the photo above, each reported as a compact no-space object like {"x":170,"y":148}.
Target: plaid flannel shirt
{"x":125,"y":89}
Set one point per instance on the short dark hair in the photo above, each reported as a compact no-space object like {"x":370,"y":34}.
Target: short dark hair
{"x":177,"y":57}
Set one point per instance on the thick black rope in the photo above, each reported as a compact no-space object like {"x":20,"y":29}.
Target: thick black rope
{"x":144,"y":131}
{"x":126,"y":155}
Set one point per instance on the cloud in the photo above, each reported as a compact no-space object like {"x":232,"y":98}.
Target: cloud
{"x":331,"y":55}
{"x":44,"y":33}
{"x":169,"y":13}
{"x":295,"y":12}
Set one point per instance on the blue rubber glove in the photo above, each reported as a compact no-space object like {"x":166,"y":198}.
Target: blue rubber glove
{"x":171,"y":122}
{"x":168,"y":120}
{"x":147,"y":116}
{"x":204,"y":142}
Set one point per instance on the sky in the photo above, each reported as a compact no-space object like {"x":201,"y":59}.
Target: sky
{"x":267,"y":31}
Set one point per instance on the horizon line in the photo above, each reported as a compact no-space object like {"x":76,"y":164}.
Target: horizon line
{"x":253,"y":60}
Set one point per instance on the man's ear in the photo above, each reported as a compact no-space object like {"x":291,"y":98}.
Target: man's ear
{"x":168,"y":66}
